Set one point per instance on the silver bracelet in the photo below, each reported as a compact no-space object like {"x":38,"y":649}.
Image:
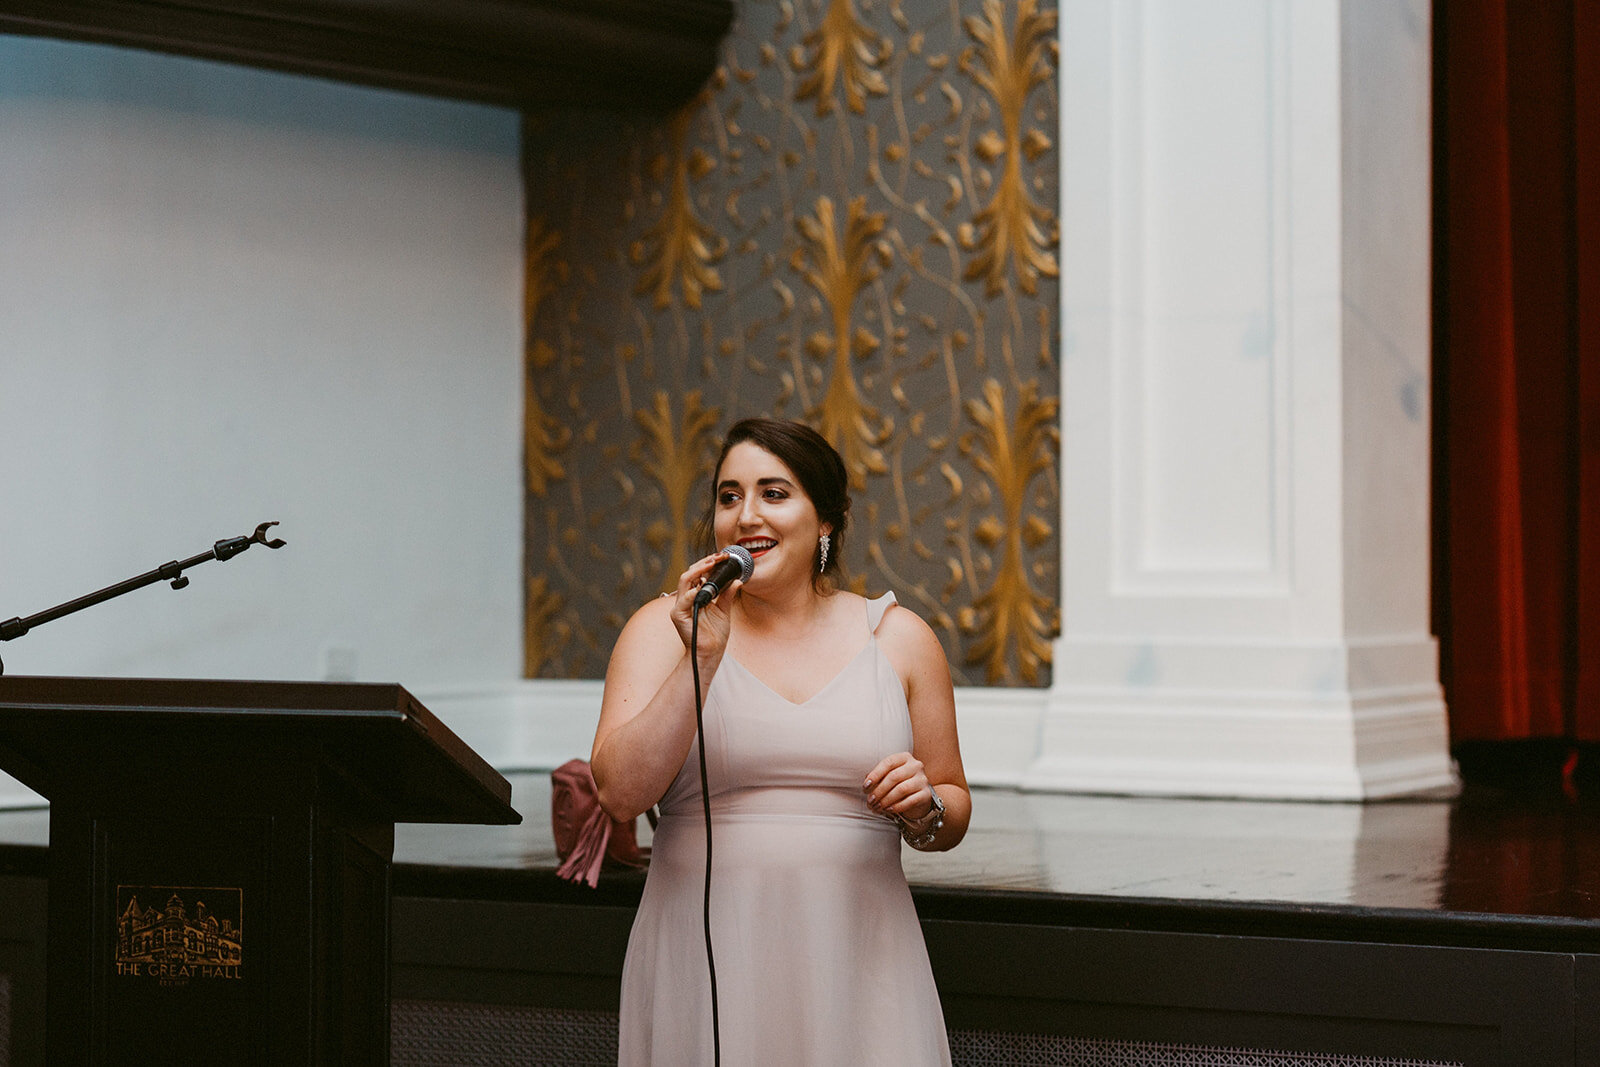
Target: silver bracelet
{"x":920,"y":834}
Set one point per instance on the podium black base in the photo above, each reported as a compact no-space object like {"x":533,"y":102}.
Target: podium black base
{"x":219,"y":872}
{"x":264,"y":932}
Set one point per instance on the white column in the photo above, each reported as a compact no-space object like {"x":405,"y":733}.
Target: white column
{"x":1245,"y":221}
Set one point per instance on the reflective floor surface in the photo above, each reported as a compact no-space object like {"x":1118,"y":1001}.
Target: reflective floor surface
{"x":1488,"y":851}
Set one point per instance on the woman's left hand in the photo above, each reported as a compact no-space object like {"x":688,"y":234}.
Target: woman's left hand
{"x":899,"y":786}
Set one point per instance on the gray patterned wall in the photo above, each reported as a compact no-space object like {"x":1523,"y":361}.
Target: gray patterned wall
{"x":854,"y":225}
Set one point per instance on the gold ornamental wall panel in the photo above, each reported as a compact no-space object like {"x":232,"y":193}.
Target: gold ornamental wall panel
{"x":854,"y":225}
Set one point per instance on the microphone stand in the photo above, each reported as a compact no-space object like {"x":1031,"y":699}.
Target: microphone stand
{"x":167,"y":572}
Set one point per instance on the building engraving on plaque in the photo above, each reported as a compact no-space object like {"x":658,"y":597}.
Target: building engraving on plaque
{"x":174,"y":935}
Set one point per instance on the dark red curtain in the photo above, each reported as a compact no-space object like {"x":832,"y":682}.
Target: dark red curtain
{"x":1586,"y":272}
{"x":1516,"y":380}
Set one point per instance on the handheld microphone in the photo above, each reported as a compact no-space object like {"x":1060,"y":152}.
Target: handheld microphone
{"x":737,"y":563}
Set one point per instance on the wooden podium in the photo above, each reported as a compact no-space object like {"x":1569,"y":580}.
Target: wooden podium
{"x":219,"y":860}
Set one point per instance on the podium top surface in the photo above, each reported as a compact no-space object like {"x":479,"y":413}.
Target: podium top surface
{"x":376,"y":734}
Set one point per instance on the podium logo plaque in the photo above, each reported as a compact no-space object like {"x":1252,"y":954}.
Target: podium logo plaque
{"x":174,"y":935}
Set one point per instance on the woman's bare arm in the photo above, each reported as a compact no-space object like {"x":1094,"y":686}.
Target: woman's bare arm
{"x":898,"y":783}
{"x":647,"y":711}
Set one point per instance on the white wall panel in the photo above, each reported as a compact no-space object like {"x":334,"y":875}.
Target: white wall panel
{"x":1244,"y":263}
{"x":1201,"y":289}
{"x":230,"y":296}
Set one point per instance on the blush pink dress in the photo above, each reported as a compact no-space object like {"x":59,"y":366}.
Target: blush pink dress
{"x":819,"y":955}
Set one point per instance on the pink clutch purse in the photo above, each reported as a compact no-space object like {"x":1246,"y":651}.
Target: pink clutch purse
{"x":586,"y":837}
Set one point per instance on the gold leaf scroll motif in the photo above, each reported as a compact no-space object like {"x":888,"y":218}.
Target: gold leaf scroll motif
{"x":843,"y":49}
{"x":839,"y":269}
{"x":679,"y":247}
{"x":542,"y":436}
{"x":1010,"y":612}
{"x":540,"y":641}
{"x":1012,"y":230}
{"x":672,"y":456}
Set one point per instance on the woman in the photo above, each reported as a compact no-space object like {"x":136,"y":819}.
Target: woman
{"x":830,"y":734}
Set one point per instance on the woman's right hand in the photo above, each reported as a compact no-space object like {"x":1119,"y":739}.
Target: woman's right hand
{"x":715,"y":621}
{"x":647,"y":720}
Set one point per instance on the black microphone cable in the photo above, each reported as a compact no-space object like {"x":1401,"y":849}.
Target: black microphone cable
{"x":737,"y":565}
{"x":705,"y":802}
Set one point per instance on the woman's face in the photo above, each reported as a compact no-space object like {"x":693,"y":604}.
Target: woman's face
{"x":761,"y":506}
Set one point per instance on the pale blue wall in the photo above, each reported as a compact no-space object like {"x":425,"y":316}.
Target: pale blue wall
{"x":227,"y":296}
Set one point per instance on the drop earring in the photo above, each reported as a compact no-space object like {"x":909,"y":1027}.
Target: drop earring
{"x":822,"y":545}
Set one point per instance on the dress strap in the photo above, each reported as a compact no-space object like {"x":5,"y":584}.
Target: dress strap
{"x":876,"y":608}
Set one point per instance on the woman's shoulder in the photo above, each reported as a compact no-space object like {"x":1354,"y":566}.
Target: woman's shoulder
{"x":649,"y":641}
{"x":848,"y":608}
{"x":657,"y":607}
{"x":903,"y":629}
{"x":899,"y":619}
{"x":654,"y":616}
{"x":913,"y":650}
{"x":844,"y":600}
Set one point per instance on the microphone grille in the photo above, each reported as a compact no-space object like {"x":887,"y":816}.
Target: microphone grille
{"x":742,"y":556}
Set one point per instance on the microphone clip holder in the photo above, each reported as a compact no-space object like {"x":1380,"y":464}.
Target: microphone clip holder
{"x":171,"y":572}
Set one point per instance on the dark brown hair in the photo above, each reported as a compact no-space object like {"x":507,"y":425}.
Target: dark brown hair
{"x":814,"y":461}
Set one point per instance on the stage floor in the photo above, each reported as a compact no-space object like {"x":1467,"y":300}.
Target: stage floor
{"x":1528,"y":863}
{"x":1441,"y":931}
{"x":1487,"y":855}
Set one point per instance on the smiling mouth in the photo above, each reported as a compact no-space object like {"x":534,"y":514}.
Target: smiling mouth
{"x":757,"y":545}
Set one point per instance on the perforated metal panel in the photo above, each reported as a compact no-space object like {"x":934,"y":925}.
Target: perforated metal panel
{"x":5,"y":1020}
{"x":983,"y":1048}
{"x":437,"y":1034}
{"x":434,"y":1034}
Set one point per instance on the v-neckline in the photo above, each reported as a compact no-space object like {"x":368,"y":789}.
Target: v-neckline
{"x":829,"y":684}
